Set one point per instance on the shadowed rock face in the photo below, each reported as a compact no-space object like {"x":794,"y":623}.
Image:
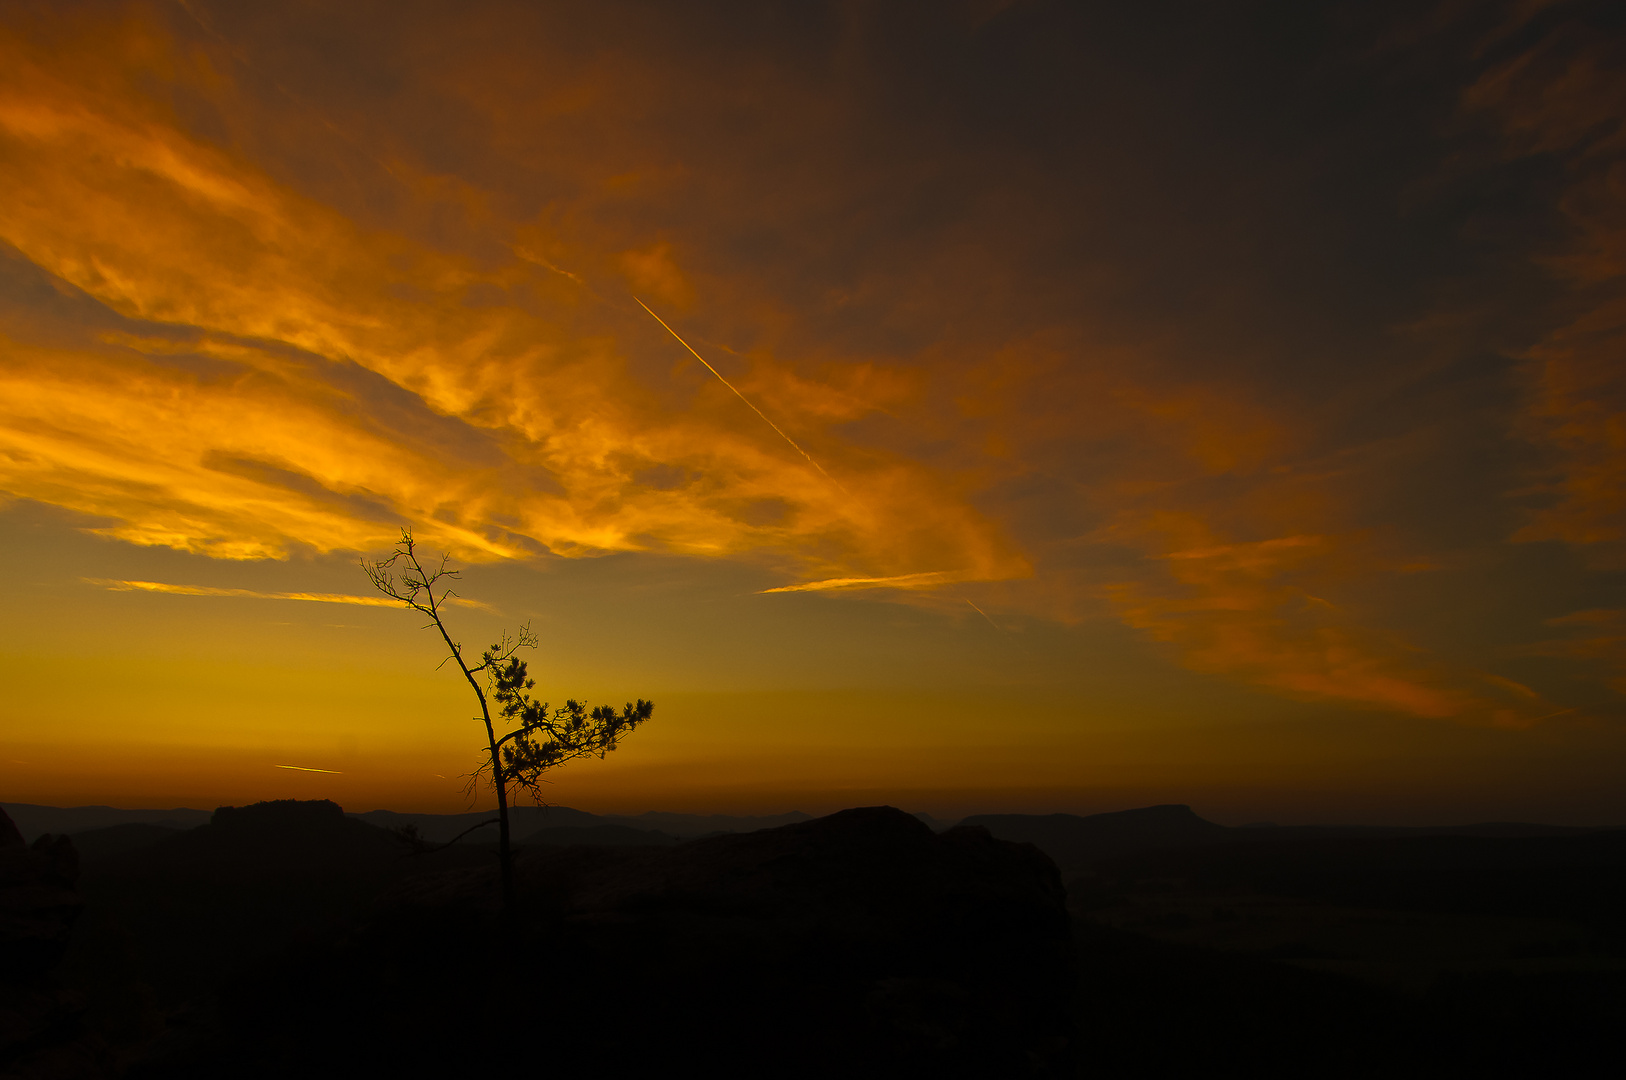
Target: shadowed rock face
{"x":857,"y":944}
{"x":38,"y":904}
{"x":39,"y":1021}
{"x":228,"y":896}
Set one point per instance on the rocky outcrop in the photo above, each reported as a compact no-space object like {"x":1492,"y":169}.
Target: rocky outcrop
{"x":39,"y":1021}
{"x":860,"y":944}
{"x":862,"y":940}
{"x":38,"y":904}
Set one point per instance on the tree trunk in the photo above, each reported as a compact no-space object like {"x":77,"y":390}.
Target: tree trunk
{"x":505,"y":853}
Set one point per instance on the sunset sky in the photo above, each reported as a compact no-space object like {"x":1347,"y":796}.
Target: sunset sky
{"x":1136,"y":403}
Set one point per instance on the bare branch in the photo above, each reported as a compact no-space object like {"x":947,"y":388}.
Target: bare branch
{"x":544,"y":738}
{"x":409,"y":835}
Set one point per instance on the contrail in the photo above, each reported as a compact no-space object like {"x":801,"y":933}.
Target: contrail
{"x":984,"y":614}
{"x":301,"y":768}
{"x":743,"y":398}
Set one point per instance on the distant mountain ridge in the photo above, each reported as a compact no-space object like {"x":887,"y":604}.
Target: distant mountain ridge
{"x":1070,"y":839}
{"x":691,"y":825}
{"x":526,"y":821}
{"x":1078,"y":843}
{"x":598,"y":836}
{"x":34,"y":820}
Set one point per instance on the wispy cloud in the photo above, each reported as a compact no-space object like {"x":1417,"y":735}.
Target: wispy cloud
{"x":303,"y":768}
{"x":1562,"y":98}
{"x":1598,"y":636}
{"x":927,"y":580}
{"x":1247,"y":611}
{"x":281,"y":375}
{"x":118,"y":585}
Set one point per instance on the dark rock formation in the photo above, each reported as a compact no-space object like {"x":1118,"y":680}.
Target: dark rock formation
{"x":861,"y":944}
{"x":1078,"y":843}
{"x":38,"y":905}
{"x":40,"y":1025}
{"x":98,"y":846}
{"x":202,"y":904}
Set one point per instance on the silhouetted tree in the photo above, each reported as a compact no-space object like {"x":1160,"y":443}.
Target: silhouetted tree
{"x":543,"y":737}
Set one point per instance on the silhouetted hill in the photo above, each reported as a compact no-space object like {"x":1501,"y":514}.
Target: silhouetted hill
{"x":268,"y":841}
{"x":440,"y":828}
{"x":1573,"y":875}
{"x":599,"y":836}
{"x":1361,"y":952}
{"x":33,"y":821}
{"x":689,"y":826}
{"x":199,"y":903}
{"x":861,"y":944}
{"x":96,"y":846}
{"x":1076,"y":842}
{"x":40,"y":1030}
{"x":527,"y":820}
{"x":1503,"y":829}
{"x":1079,"y":843}
{"x":38,"y":904}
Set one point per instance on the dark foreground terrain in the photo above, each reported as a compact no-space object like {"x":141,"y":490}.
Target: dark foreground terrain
{"x":287,"y":939}
{"x":1497,"y":949}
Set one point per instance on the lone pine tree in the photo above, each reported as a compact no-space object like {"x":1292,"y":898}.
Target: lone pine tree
{"x":543,"y":738}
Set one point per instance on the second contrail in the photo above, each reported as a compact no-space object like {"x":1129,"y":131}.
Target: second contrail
{"x":743,"y":398}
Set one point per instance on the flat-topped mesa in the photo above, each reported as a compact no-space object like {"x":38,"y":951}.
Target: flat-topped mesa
{"x":279,"y":813}
{"x":1076,"y":842}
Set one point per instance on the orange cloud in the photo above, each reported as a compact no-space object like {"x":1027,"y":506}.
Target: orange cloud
{"x":1184,"y":472}
{"x":1599,"y":637}
{"x":654,"y":273}
{"x":553,"y":444}
{"x":288,"y":325}
{"x":1565,"y":96}
{"x":1243,"y":610}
